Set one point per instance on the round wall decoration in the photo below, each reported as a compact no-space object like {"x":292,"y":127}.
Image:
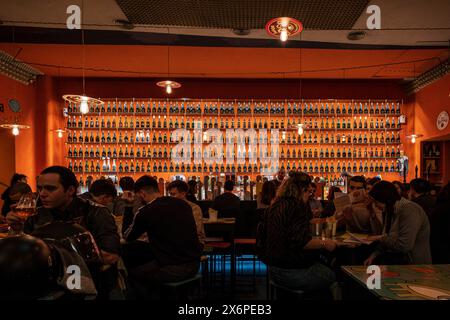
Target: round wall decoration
{"x":442,"y":120}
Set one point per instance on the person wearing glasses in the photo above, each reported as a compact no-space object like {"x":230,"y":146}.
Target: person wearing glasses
{"x":361,"y":216}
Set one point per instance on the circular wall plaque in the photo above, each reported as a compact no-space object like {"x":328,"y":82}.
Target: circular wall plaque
{"x":442,"y":120}
{"x":14,"y":105}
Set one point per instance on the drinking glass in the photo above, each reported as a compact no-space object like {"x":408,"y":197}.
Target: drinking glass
{"x":26,"y":207}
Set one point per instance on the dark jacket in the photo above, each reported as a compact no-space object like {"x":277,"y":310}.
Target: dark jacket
{"x":227,"y":205}
{"x":427,"y":203}
{"x":440,"y":233}
{"x":282,"y":234}
{"x":6,"y":202}
{"x":171,"y":230}
{"x":94,"y":217}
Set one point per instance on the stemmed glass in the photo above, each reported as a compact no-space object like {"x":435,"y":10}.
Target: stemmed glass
{"x":25,"y":208}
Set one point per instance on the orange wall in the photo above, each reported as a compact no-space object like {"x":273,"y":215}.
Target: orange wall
{"x":35,"y":148}
{"x":23,"y":152}
{"x":429,"y":102}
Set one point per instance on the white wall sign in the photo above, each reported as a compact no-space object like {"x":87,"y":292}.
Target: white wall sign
{"x":442,"y":120}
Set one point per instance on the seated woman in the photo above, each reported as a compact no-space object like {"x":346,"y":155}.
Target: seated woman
{"x":284,"y":239}
{"x":406,"y":230}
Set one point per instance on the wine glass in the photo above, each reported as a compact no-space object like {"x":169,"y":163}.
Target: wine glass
{"x":26,"y":207}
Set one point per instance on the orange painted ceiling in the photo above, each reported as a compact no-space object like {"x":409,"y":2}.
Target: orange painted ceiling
{"x":224,"y":62}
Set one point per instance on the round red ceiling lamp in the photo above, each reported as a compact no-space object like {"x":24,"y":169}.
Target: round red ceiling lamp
{"x":283,"y":27}
{"x":169,"y":85}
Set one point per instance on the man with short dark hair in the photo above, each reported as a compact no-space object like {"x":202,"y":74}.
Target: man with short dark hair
{"x":127,"y":200}
{"x":361,"y":216}
{"x":57,"y":191}
{"x":227,"y":204}
{"x":179,"y":189}
{"x":103,"y":192}
{"x":172,"y":234}
{"x":419,"y":193}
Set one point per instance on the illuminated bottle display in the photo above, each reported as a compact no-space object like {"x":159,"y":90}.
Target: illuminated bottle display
{"x":135,"y":137}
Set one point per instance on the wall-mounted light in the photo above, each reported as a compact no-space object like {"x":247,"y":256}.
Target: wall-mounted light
{"x":59,"y":132}
{"x":414,"y":136}
{"x":14,"y":127}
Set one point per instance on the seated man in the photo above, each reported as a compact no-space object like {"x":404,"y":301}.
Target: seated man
{"x":227,"y":204}
{"x":419,"y":192}
{"x":179,"y":189}
{"x":361,"y":217}
{"x":172,"y":235}
{"x":126,"y":199}
{"x":56,"y":187}
{"x":103,"y":192}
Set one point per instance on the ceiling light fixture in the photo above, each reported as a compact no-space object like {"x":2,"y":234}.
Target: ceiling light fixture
{"x":17,"y":70}
{"x":84,"y":102}
{"x":356,"y":35}
{"x":283,"y":27}
{"x":124,"y":24}
{"x":169,"y":85}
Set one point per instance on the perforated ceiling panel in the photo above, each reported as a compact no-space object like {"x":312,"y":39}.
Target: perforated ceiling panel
{"x":245,"y":14}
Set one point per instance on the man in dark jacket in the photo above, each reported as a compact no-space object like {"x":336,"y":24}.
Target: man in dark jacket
{"x":419,"y":193}
{"x":172,"y":236}
{"x":57,"y":191}
{"x":227,"y":204}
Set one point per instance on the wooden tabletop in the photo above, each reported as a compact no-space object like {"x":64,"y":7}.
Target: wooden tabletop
{"x":219,"y":221}
{"x":407,"y":282}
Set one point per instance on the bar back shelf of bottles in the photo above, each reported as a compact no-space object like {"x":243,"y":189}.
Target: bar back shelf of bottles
{"x":133,"y":136}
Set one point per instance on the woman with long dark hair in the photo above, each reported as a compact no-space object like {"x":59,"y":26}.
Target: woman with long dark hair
{"x":284,"y":239}
{"x":406,"y":230}
{"x":267,"y":194}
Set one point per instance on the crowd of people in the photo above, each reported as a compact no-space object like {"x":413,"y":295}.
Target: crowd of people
{"x":141,"y":238}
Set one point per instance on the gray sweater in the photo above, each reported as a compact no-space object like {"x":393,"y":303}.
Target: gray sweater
{"x":410,"y":232}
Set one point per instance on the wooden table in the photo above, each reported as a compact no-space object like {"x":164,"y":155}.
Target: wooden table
{"x":404,"y":282}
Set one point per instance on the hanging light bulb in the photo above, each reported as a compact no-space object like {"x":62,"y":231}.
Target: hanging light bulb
{"x":60,"y":134}
{"x":169,"y":85}
{"x":300,"y":129}
{"x":283,"y":135}
{"x":283,"y":35}
{"x":84,"y":108}
{"x":15,"y":130}
{"x":414,"y":137}
{"x":205,"y":136}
